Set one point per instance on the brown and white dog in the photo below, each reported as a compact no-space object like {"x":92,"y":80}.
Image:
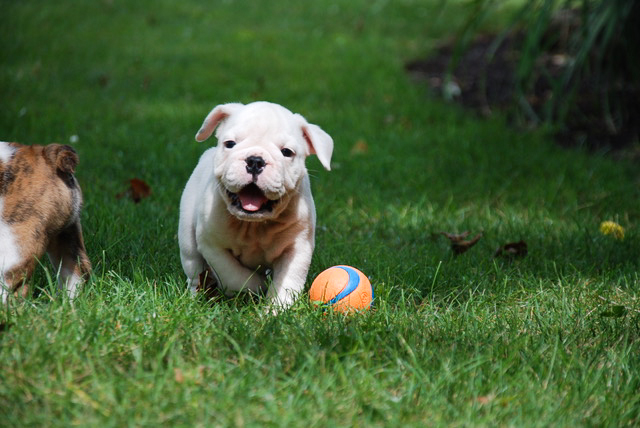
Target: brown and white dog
{"x":40,"y":202}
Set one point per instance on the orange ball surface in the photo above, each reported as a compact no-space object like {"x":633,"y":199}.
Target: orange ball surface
{"x":344,"y":288}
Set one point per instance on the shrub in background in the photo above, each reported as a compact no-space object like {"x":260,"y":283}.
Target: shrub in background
{"x":578,"y":62}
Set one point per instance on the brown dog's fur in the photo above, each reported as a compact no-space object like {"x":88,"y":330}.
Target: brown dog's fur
{"x":41,"y":209}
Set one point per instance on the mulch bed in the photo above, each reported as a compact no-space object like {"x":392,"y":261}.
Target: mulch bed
{"x":486,"y":85}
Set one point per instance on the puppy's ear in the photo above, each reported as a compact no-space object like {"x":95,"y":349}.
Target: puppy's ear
{"x":320,"y":143}
{"x":213,"y":119}
{"x":62,"y":156}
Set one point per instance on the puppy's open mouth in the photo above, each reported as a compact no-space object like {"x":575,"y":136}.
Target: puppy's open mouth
{"x":251,"y":200}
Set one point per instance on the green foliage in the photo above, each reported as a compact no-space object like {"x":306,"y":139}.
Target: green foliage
{"x":600,"y":40}
{"x":470,"y":340}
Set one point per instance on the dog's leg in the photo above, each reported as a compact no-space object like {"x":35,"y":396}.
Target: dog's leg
{"x":68,"y":254}
{"x":192,"y":261}
{"x":289,"y":275}
{"x":209,"y":284}
{"x":14,"y":280}
{"x":17,"y":268}
{"x":193,"y":266}
{"x":234,"y":277}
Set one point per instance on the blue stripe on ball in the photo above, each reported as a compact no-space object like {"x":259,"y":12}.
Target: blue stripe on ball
{"x":354,"y":280}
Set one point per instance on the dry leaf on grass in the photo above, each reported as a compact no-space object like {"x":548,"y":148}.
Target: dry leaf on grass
{"x":138,"y":190}
{"x":360,"y":148}
{"x":485,"y":399}
{"x":459,"y":243}
{"x":612,"y":228}
{"x":512,"y":250}
{"x":178,"y":375}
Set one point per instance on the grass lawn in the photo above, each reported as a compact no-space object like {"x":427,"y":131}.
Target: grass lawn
{"x":550,"y":339}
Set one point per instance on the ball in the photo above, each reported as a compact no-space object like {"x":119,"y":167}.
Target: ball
{"x":344,"y":288}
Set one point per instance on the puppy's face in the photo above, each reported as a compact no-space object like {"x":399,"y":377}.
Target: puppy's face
{"x":260,"y":156}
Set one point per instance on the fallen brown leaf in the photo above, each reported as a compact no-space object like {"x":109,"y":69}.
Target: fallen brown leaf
{"x":485,"y":399}
{"x":178,"y":375}
{"x":103,"y":80}
{"x":360,"y":148}
{"x":512,"y":250}
{"x":458,"y":242}
{"x":456,"y":236}
{"x":138,"y":190}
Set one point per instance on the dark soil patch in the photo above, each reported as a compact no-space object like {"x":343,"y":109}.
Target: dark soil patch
{"x":486,"y":83}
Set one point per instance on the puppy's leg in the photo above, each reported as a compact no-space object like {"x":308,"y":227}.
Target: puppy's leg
{"x":192,"y":261}
{"x":193,"y":265}
{"x":209,"y":284}
{"x":68,"y":254}
{"x":289,"y":275}
{"x":14,"y":280}
{"x":233,"y":276}
{"x":19,"y":261}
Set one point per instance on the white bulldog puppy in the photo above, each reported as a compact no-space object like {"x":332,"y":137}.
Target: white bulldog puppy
{"x":247,"y":207}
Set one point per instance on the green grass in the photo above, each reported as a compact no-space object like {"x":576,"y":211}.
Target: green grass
{"x":550,"y":339}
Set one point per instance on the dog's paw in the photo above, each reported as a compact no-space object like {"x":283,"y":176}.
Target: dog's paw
{"x":272,"y":310}
{"x":208,"y":285}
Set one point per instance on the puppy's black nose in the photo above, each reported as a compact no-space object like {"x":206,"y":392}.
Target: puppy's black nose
{"x":255,"y":165}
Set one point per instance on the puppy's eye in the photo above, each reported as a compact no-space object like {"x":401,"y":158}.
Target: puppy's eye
{"x":229,"y":144}
{"x":287,"y":153}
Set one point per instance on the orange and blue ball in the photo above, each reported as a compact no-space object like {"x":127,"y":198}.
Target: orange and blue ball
{"x":344,"y":288}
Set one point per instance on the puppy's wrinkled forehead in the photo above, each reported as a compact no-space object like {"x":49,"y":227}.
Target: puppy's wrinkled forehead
{"x":259,"y":121}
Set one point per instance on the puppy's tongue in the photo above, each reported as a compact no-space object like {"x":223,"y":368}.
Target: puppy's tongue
{"x":252,"y":198}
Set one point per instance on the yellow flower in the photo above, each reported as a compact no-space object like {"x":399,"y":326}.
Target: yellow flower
{"x":612,"y":228}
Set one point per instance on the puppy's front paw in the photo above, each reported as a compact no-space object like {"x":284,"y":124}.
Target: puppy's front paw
{"x":273,"y":309}
{"x":207,"y":284}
